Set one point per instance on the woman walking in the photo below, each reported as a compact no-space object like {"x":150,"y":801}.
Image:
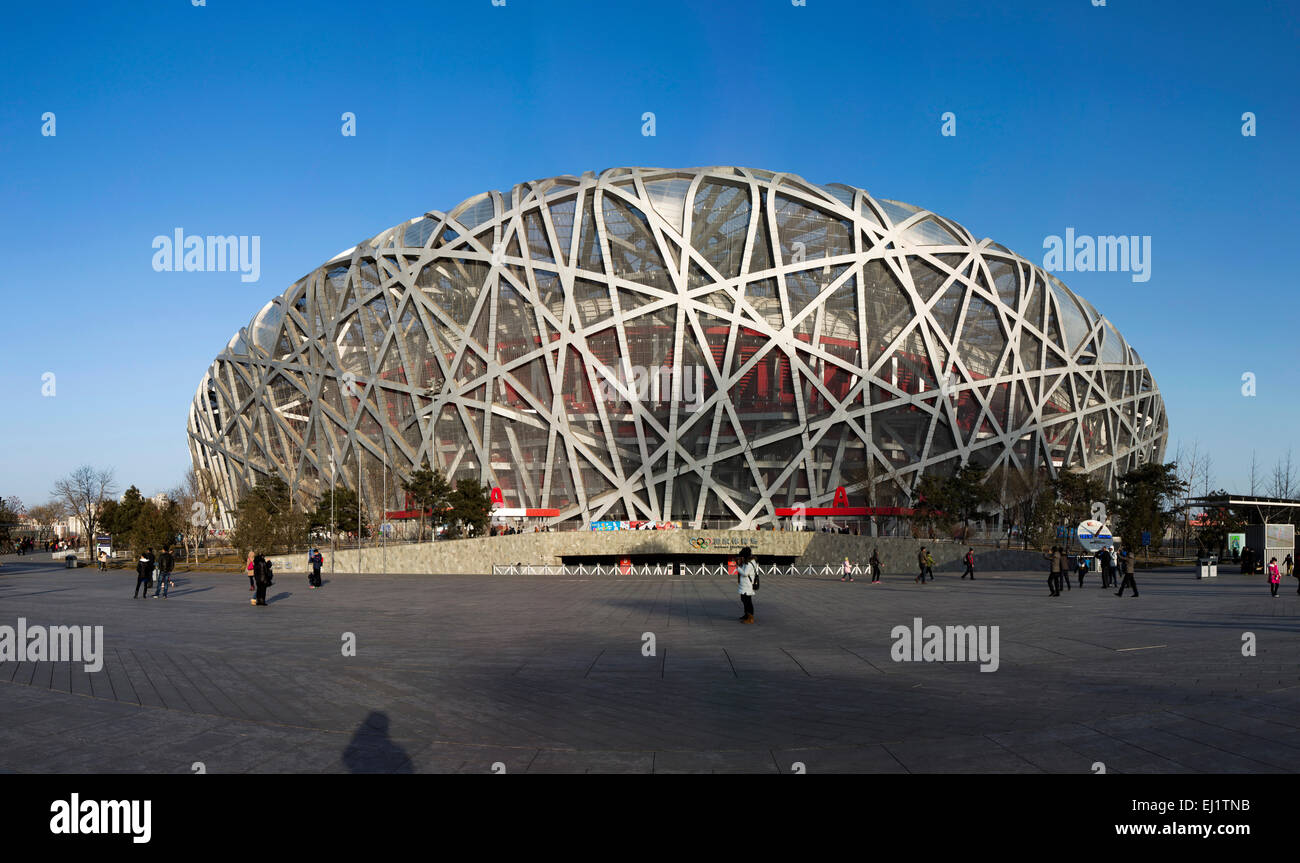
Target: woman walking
{"x":249,"y":567}
{"x":1273,"y":577}
{"x":745,"y":578}
{"x":875,"y":567}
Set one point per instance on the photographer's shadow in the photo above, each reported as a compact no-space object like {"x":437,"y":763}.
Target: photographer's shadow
{"x":371,"y":750}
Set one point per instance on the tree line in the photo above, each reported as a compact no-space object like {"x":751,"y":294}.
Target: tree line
{"x":267,"y":518}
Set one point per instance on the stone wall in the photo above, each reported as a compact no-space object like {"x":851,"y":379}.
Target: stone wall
{"x":476,"y":556}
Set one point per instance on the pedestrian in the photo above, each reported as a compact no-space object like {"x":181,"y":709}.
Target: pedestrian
{"x":1083,"y":567}
{"x":1063,"y":573}
{"x":1126,"y":564}
{"x":262,"y":578}
{"x":316,"y":561}
{"x":929,"y":564}
{"x":1273,"y":579}
{"x":1053,"y":571}
{"x":747,"y":583}
{"x":848,"y":570}
{"x":875,"y":567}
{"x":1288,"y":563}
{"x":920,"y":563}
{"x":970,"y":564}
{"x":1103,"y":563}
{"x":103,"y":561}
{"x":143,"y":567}
{"x":251,"y":576}
{"x":163,"y":568}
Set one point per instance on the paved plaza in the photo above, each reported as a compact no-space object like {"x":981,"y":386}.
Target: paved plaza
{"x":547,"y":674}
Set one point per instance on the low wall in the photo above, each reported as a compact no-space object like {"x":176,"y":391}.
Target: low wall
{"x":476,"y":556}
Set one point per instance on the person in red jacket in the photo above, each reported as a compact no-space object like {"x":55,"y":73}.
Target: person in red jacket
{"x":1273,"y":578}
{"x":970,"y":564}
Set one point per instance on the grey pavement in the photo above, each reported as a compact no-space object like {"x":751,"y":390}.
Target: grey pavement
{"x":478,"y":674}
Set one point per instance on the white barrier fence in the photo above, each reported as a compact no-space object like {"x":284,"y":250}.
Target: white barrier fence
{"x":661,"y":569}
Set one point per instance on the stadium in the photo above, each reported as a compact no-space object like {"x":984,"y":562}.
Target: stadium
{"x":710,"y":347}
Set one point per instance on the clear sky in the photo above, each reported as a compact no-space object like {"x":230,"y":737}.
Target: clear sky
{"x":225,"y":119}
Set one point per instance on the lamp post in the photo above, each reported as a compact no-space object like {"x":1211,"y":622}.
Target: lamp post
{"x":358,"y":511}
{"x":333,"y":528}
{"x":383,"y":514}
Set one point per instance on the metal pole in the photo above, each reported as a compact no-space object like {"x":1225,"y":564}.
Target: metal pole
{"x":333,"y":527}
{"x":358,"y":511}
{"x":383,"y":513}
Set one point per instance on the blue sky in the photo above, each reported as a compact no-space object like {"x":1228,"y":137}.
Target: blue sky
{"x":225,"y":119}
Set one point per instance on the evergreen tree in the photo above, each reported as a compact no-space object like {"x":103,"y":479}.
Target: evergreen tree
{"x":471,"y":506}
{"x":1145,"y":499}
{"x":429,"y":491}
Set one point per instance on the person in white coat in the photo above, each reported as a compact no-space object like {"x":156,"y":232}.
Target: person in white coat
{"x":745,"y":582}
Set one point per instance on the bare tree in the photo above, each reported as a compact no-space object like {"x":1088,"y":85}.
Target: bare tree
{"x":1254,"y":473}
{"x":192,"y":507}
{"x":1282,"y":484}
{"x":84,"y":491}
{"x":46,"y":515}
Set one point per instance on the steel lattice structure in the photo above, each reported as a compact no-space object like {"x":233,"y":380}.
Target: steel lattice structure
{"x":696,"y":345}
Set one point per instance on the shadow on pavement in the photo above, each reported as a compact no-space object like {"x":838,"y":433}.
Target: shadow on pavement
{"x":371,"y":750}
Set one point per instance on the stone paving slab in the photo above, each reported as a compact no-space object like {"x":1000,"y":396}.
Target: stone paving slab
{"x":453,"y":674}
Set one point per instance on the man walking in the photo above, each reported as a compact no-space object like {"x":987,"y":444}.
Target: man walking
{"x":1126,"y":564}
{"x":1053,"y":572}
{"x":970,"y":564}
{"x":875,"y":567}
{"x":1103,"y":563}
{"x":316,"y":561}
{"x":920,"y":563}
{"x":261,"y":578}
{"x":164,"y":571}
{"x":1063,"y":571}
{"x":745,"y":582}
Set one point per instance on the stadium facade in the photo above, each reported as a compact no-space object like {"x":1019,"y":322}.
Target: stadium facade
{"x":699,"y":346}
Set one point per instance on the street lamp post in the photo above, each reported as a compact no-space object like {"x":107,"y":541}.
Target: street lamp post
{"x":333,"y":528}
{"x":358,"y":512}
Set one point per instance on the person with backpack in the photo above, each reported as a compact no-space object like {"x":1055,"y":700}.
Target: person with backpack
{"x":1126,"y":564}
{"x":1274,"y":579}
{"x":969,"y":560}
{"x":929,"y":564}
{"x":920,"y":564}
{"x":747,"y":583}
{"x":875,"y":566}
{"x":163,"y":571}
{"x":315,"y":561}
